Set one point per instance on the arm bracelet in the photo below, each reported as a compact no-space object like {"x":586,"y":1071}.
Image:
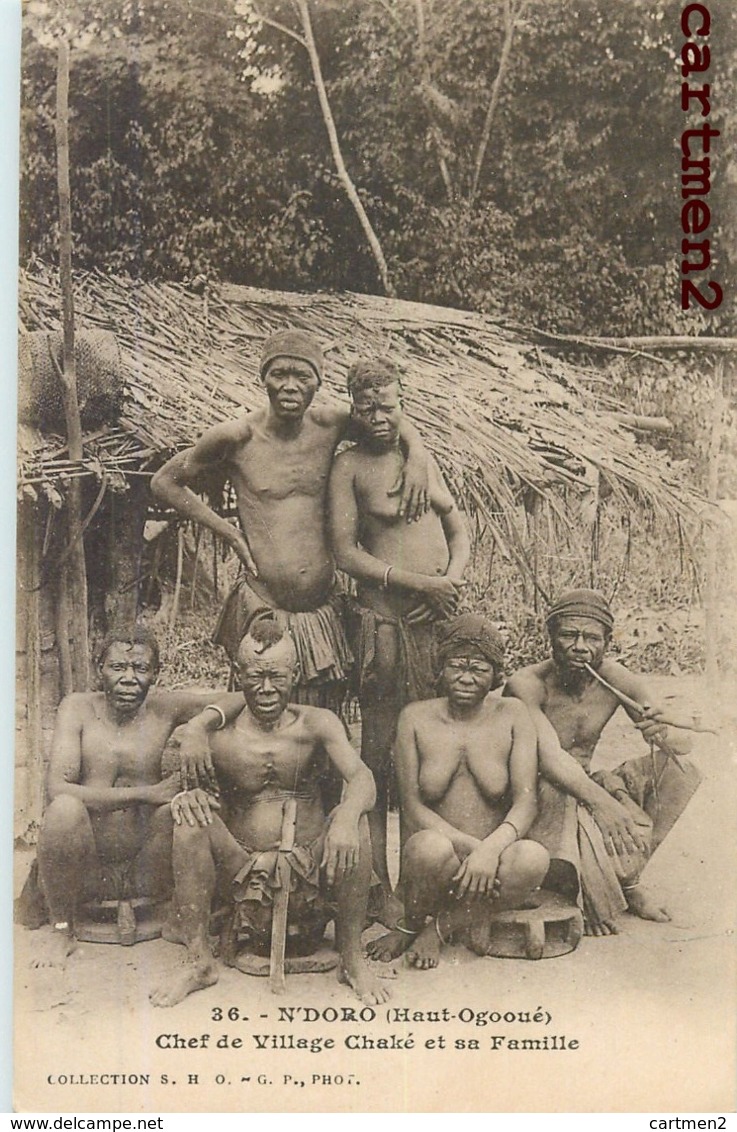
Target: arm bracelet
{"x":221,"y":713}
{"x":179,"y":795}
{"x":514,"y":827}
{"x":385,"y":579}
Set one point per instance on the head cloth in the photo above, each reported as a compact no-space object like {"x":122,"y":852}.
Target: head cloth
{"x":470,"y":630}
{"x":581,"y":603}
{"x":293,"y":344}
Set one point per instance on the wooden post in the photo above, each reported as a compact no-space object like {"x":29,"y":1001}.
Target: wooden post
{"x":75,"y":563}
{"x":711,"y":603}
{"x":127,"y":520}
{"x":61,"y":628}
{"x":178,"y":583}
{"x":34,"y":734}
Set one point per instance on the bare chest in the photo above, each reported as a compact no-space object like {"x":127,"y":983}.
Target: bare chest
{"x":249,"y":761}
{"x":374,"y":483}
{"x":578,"y":721}
{"x":129,"y":754}
{"x":269,"y":469}
{"x":451,"y":756}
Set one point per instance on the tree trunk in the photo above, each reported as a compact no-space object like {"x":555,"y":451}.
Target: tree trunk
{"x":494,"y":100}
{"x":435,"y":134}
{"x":304,"y":15}
{"x":75,"y":563}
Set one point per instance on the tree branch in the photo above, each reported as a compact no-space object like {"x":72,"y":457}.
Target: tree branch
{"x":279,"y":27}
{"x":304,"y":15}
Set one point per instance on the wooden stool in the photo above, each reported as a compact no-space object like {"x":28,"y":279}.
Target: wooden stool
{"x":259,"y":965}
{"x":121,"y":921}
{"x":554,"y":928}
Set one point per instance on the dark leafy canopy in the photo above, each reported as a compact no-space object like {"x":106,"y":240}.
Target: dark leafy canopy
{"x":198,"y":145}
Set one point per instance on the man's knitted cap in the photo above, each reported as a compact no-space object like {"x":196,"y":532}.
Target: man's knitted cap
{"x":581,"y":603}
{"x":293,"y":344}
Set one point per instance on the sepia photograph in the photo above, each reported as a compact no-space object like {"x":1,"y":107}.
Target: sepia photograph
{"x":376,"y":740}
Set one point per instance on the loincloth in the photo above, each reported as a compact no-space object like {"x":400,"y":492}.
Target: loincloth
{"x":416,"y":673}
{"x":655,"y":798}
{"x":323,"y":654}
{"x":253,"y":890}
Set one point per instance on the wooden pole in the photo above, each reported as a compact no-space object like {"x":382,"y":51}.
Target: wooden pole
{"x":63,"y":651}
{"x":125,"y":550}
{"x":75,"y":562}
{"x":178,"y":583}
{"x":34,"y":735}
{"x":711,"y":603}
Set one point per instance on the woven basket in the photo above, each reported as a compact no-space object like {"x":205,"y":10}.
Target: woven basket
{"x":100,"y":381}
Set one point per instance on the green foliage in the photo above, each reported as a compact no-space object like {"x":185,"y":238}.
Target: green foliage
{"x":198,"y":145}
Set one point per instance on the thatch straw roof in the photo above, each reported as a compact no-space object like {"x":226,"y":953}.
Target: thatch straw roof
{"x":504,"y":417}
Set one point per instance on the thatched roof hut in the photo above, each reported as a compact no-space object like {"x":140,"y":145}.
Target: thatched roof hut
{"x":512,"y":425}
{"x":502,"y":414}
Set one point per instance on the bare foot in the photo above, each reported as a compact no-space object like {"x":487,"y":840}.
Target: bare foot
{"x":389,"y":946}
{"x":52,"y":948}
{"x":195,"y":976}
{"x":647,"y":907}
{"x":355,"y":973}
{"x":599,"y":927}
{"x":425,"y":950}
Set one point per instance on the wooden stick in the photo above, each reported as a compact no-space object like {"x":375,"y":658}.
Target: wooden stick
{"x":277,"y":981}
{"x":76,"y":568}
{"x":629,"y":702}
{"x":178,"y":582}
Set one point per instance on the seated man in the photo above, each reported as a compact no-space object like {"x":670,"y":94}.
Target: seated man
{"x":106,"y":833}
{"x":409,"y":578}
{"x":273,"y":751}
{"x":467,"y":772}
{"x":634,"y":806}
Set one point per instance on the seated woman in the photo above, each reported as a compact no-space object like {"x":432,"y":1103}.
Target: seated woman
{"x":467,"y":771}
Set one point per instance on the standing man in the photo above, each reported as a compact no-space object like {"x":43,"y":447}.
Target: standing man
{"x":272,"y":753}
{"x":633,"y":806}
{"x":106,"y":833}
{"x":409,"y":578}
{"x":278,"y":460}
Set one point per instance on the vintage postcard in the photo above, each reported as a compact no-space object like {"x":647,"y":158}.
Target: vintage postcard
{"x":375,"y":578}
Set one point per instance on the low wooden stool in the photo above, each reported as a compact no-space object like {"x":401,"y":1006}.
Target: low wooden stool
{"x":121,"y":921}
{"x":259,"y":965}
{"x":554,"y":928}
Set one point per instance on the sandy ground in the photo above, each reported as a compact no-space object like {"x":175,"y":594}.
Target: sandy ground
{"x":652,"y":1009}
